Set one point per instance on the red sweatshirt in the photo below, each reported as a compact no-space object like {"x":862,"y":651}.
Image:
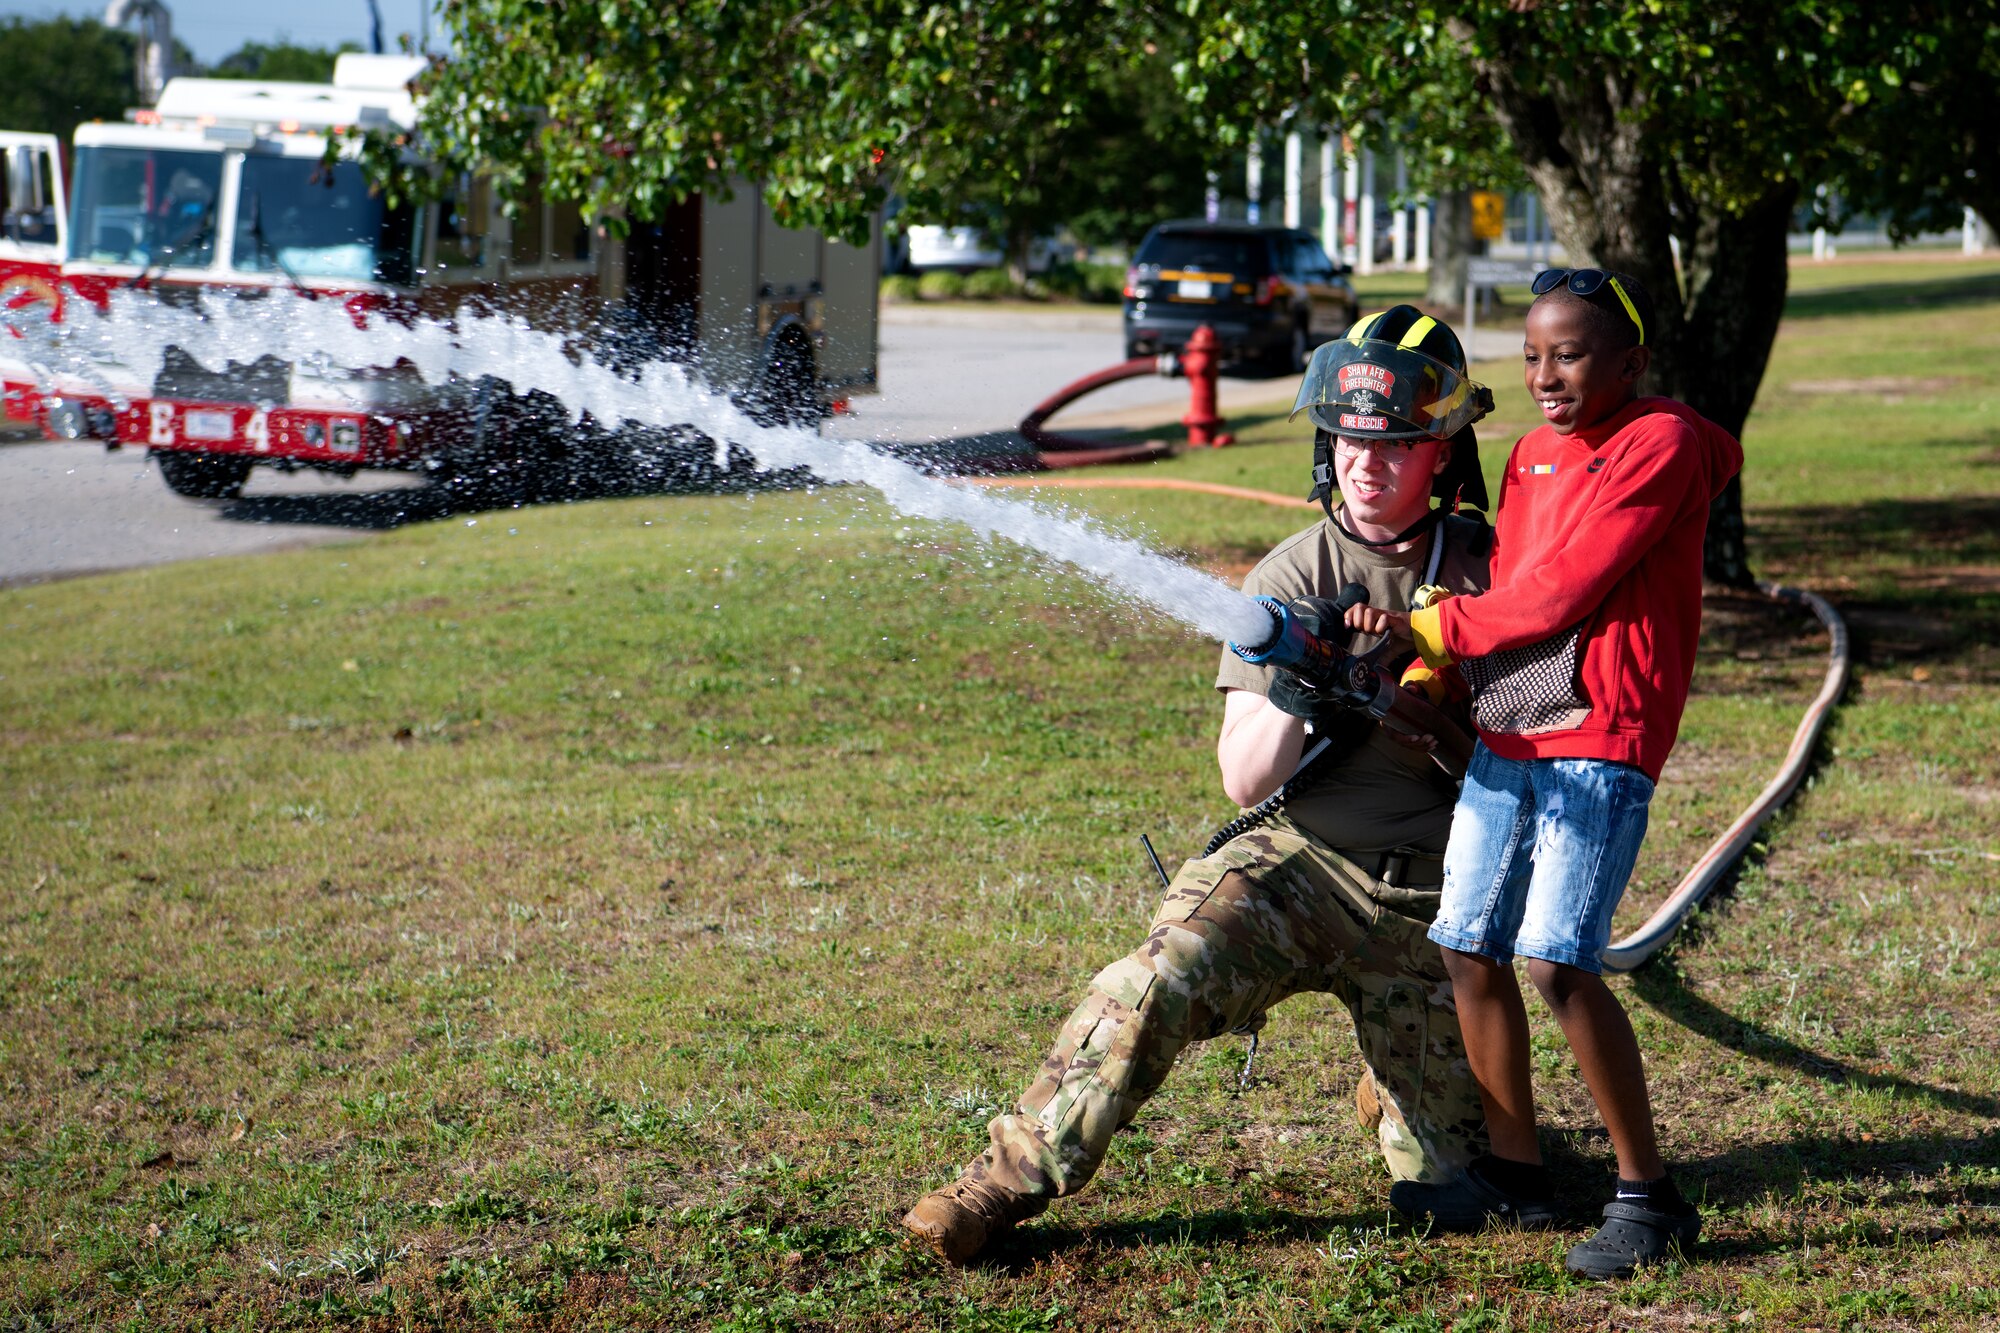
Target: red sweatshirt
{"x":1584,"y":646}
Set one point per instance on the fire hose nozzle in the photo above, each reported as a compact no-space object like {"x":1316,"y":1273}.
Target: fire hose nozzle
{"x":1355,"y":682}
{"x":1259,"y":653}
{"x":1291,"y":646}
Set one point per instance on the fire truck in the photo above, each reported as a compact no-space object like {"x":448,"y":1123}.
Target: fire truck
{"x":32,"y":223}
{"x":222,"y":191}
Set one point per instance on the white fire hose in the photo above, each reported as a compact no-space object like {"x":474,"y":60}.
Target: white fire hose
{"x":1626,"y":954}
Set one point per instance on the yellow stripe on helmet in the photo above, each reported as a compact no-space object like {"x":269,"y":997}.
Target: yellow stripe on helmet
{"x":1414,"y":335}
{"x":1439,"y":409}
{"x":1356,"y":334}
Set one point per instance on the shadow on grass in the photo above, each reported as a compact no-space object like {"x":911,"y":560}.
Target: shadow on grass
{"x":1876,"y":298}
{"x":1031,"y":1246}
{"x":395,"y":507}
{"x":1269,"y":424}
{"x":371,"y":511}
{"x":1729,"y":1180}
{"x":1925,"y":574}
{"x":1661,"y":986}
{"x":1757,"y":1170}
{"x":1781,"y":1170}
{"x":1252,"y":419}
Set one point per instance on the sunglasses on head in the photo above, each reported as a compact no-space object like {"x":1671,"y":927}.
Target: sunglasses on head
{"x":1585,"y":282}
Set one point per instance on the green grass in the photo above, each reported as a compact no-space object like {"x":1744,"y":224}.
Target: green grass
{"x":614,"y":915}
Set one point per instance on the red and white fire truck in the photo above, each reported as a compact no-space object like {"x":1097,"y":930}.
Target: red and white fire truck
{"x":32,"y":222}
{"x":222,"y":189}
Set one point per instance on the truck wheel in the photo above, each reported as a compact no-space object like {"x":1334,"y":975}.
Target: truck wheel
{"x":1289,"y":356}
{"x":787,"y":393}
{"x":203,"y":476}
{"x":513,"y":451}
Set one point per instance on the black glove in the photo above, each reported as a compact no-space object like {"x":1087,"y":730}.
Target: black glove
{"x":1324,"y":616}
{"x":1291,"y":694}
{"x":1320,"y":617}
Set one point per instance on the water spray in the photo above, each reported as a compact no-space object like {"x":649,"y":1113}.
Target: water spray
{"x":135,"y":332}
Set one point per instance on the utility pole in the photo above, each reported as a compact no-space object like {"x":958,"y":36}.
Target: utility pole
{"x":1253,"y":178}
{"x":1329,"y":191}
{"x":1399,"y":221}
{"x":1294,"y":177}
{"x":153,"y":64}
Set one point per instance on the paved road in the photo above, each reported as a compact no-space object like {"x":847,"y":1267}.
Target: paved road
{"x":964,"y":375}
{"x":959,"y":373}
{"x":74,"y":509}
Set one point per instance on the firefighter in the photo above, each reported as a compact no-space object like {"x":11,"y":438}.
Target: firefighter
{"x":1333,"y":892}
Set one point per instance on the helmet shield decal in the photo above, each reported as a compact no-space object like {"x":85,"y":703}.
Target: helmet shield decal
{"x":1376,"y":389}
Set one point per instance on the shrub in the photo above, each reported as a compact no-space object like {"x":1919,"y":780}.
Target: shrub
{"x":941,"y":285}
{"x":900,"y":287}
{"x":1062,"y":282}
{"x":1085,"y":282}
{"x":1104,"y":283}
{"x":990,"y":284}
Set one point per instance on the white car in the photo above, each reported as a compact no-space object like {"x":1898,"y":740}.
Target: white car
{"x":969,"y":248}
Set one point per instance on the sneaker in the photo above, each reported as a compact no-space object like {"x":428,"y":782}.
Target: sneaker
{"x":1468,"y":1202}
{"x":1632,"y":1235}
{"x":962,"y":1219}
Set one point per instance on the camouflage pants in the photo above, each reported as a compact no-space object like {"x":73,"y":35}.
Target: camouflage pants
{"x":1272,"y":914}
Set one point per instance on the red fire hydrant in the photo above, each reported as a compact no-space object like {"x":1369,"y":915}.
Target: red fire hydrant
{"x":1199,"y":361}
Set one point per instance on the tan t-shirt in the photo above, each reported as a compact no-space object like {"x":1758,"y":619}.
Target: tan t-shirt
{"x":1382,"y":795}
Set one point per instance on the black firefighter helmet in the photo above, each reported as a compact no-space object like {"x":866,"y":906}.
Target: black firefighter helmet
{"x":1397,"y":375}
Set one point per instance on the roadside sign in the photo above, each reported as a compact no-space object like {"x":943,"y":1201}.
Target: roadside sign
{"x":1489,"y":215}
{"x":1483,"y":273}
{"x":1500,"y":273}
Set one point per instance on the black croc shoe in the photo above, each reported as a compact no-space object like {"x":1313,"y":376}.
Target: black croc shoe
{"x":1469,"y":1202}
{"x":1633,"y":1235}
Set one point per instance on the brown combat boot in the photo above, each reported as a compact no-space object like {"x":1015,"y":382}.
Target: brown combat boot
{"x":1367,"y":1102}
{"x":963,"y":1218}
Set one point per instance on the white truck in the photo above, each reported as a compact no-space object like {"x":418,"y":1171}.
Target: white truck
{"x":221,"y":189}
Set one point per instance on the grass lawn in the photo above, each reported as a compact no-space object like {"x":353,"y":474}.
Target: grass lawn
{"x":613,"y":916}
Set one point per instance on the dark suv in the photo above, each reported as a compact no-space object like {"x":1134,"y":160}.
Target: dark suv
{"x":1270,"y":293}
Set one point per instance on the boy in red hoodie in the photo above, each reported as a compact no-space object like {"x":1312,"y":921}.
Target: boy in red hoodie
{"x":1579,"y":658}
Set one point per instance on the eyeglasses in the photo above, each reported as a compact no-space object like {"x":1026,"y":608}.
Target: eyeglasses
{"x":1389,"y":451}
{"x":1584,"y":282}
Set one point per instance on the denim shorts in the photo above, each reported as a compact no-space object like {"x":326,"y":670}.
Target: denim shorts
{"x":1539,"y":856}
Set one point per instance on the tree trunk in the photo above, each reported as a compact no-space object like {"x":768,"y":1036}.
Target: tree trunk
{"x":1981,"y":184}
{"x":1736,"y":269}
{"x":1614,"y":204}
{"x":1020,"y":244}
{"x":1451,"y":245}
{"x":1982,"y":191}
